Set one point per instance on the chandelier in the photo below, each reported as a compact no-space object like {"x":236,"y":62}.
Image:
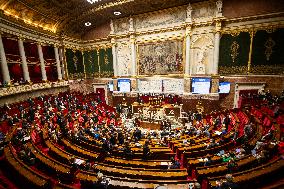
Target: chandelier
{"x":93,"y":1}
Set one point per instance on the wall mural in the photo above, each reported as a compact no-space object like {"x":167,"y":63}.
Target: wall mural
{"x":121,"y":25}
{"x":267,"y":52}
{"x":123,"y":59}
{"x":234,"y":53}
{"x":203,"y":12}
{"x":161,"y":19}
{"x":160,"y":58}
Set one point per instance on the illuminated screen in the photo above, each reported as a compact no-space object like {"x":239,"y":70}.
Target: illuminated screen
{"x":224,"y":87}
{"x":110,"y":86}
{"x":201,"y":85}
{"x":124,"y":85}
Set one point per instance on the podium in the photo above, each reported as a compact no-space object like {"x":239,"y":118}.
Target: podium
{"x":156,"y":113}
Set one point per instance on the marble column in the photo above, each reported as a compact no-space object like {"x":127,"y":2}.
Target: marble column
{"x":24,"y":60}
{"x":61,"y":57}
{"x":133,"y":57}
{"x":216,"y":52}
{"x":4,"y":65}
{"x":42,"y":65}
{"x":114,"y":57}
{"x":58,"y":66}
{"x":187,"y":55}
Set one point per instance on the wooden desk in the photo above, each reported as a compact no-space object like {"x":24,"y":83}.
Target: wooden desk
{"x":34,"y":179}
{"x":150,"y":125}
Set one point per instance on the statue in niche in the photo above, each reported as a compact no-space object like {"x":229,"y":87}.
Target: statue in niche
{"x":219,"y":5}
{"x":189,"y":11}
{"x":131,"y":28}
{"x":111,"y":27}
{"x":200,"y":67}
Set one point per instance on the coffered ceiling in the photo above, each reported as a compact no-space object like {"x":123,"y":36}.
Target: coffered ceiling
{"x":68,"y":17}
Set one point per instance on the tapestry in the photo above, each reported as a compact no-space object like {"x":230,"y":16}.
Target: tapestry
{"x":91,"y":64}
{"x":160,"y":58}
{"x":267,"y":52}
{"x":75,"y":67}
{"x":234,"y":53}
{"x":106,"y":62}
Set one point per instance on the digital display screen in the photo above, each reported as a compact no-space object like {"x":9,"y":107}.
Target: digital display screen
{"x":201,"y":85}
{"x":124,"y":85}
{"x":224,"y":87}
{"x":110,"y":86}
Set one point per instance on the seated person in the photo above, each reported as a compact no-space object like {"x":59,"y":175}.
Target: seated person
{"x":231,"y":165}
{"x":228,"y":183}
{"x":127,"y":151}
{"x":207,"y":160}
{"x":175,"y":164}
{"x":146,"y":150}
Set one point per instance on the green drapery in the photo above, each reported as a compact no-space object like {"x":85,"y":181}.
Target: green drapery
{"x":234,"y":53}
{"x":91,"y":63}
{"x":75,"y":65}
{"x":106,"y":62}
{"x":268,"y":52}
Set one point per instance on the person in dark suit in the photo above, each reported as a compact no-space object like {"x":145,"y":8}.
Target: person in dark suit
{"x":146,"y":150}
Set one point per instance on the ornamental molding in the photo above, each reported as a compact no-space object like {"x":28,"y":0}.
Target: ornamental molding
{"x":159,"y":38}
{"x":16,"y":89}
{"x":237,"y":29}
{"x":13,"y":28}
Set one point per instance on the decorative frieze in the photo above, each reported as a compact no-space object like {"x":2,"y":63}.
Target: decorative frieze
{"x":26,"y":88}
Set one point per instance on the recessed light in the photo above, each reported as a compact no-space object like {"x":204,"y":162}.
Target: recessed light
{"x":88,"y":23}
{"x":117,"y":13}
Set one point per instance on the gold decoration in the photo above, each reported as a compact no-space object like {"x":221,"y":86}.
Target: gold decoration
{"x":106,"y":59}
{"x":251,"y":33}
{"x":234,"y":50}
{"x":75,"y":59}
{"x":268,"y":69}
{"x":232,"y":70}
{"x":269,"y":44}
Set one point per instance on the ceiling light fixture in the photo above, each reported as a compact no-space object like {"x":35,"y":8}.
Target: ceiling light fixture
{"x":117,"y":13}
{"x":93,"y":1}
{"x":88,"y":23}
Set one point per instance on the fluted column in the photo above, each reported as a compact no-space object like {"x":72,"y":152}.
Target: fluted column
{"x":61,"y":57}
{"x":24,"y":60}
{"x":58,"y":66}
{"x":187,"y":53}
{"x":114,"y":57}
{"x":216,"y":48}
{"x":4,"y":66}
{"x":133,"y":56}
{"x":42,"y":65}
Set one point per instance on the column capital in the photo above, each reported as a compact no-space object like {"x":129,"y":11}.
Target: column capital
{"x":218,"y":26}
{"x":21,"y":38}
{"x":55,"y":45}
{"x":188,"y":30}
{"x":113,"y":41}
{"x":132,"y":39}
{"x":39,"y":43}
